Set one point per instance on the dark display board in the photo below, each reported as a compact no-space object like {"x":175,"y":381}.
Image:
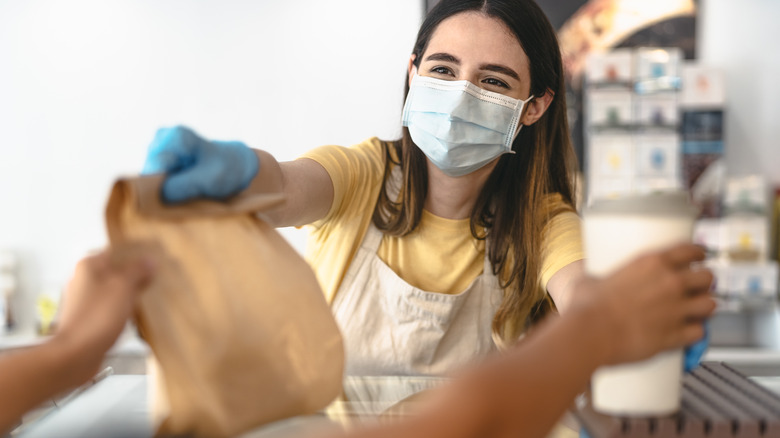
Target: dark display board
{"x":587,"y":26}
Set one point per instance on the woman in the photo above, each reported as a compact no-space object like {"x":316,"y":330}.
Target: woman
{"x":438,"y":247}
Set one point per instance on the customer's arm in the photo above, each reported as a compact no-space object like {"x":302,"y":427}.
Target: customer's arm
{"x":655,"y":303}
{"x":96,"y":305}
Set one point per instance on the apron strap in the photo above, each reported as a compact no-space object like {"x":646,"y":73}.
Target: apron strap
{"x":373,"y":238}
{"x":393,"y":186}
{"x":487,"y":271}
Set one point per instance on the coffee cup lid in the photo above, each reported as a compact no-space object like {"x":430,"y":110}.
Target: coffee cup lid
{"x":666,"y":203}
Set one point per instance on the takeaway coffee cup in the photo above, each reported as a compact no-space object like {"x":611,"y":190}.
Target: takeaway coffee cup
{"x":614,"y":232}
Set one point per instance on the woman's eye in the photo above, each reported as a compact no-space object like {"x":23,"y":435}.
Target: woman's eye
{"x":441,"y":71}
{"x":495,"y":82}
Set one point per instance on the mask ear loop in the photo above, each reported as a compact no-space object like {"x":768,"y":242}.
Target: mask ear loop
{"x":520,"y":125}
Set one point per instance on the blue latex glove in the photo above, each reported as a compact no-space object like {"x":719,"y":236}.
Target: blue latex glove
{"x":694,"y":352}
{"x":198,"y":168}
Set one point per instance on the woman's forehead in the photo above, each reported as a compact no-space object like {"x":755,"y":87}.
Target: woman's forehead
{"x":475,"y":37}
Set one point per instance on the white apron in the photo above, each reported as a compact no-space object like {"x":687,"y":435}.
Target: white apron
{"x":392,"y":328}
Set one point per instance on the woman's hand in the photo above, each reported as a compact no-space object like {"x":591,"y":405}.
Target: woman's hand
{"x":198,"y":168}
{"x":656,"y":302}
{"x":97,"y":303}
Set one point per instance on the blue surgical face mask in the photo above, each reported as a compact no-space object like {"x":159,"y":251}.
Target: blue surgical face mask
{"x":459,"y":126}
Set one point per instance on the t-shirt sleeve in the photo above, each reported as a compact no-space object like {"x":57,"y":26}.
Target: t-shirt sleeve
{"x":562,"y":244}
{"x":356,"y":173}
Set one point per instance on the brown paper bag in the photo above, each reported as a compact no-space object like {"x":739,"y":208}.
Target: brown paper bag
{"x":238,"y":325}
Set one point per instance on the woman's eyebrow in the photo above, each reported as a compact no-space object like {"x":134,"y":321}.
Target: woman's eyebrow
{"x":443,"y":57}
{"x":500,"y":69}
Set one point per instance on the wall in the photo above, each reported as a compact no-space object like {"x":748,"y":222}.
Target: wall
{"x":85,"y":84}
{"x":741,"y":37}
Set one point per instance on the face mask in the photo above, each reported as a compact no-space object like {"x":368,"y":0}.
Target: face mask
{"x":459,"y":126}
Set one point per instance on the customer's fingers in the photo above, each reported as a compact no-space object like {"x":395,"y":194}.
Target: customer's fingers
{"x":132,"y":252}
{"x":135,"y":261}
{"x":682,"y":255}
{"x":698,"y":308}
{"x":689,"y":334}
{"x":139,"y":273}
{"x":697,"y":281}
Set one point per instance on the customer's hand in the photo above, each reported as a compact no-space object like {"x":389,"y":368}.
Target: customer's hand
{"x":198,"y":168}
{"x":653,"y":303}
{"x":98,"y":302}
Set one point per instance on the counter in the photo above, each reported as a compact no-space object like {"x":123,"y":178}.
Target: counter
{"x":117,"y":407}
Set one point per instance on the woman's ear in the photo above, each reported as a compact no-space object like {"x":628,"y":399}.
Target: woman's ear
{"x":411,"y":70}
{"x":534,"y":110}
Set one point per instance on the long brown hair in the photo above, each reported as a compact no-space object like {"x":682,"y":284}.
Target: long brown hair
{"x":510,"y":212}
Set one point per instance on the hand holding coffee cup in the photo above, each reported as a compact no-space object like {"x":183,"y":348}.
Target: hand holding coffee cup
{"x":652,"y":232}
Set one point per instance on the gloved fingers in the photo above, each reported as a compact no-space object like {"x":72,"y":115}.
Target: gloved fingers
{"x":229,"y":144}
{"x":183,"y":186}
{"x":198,"y":168}
{"x":211,"y":178}
{"x":172,"y":149}
{"x":242,"y":161}
{"x":162,"y":162}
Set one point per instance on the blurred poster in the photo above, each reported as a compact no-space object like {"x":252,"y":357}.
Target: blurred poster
{"x":593,"y":26}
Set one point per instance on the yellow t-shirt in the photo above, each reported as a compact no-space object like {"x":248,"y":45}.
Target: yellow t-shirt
{"x":441,"y":255}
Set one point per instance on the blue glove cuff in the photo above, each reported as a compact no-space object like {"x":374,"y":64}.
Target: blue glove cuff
{"x":695,"y":352}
